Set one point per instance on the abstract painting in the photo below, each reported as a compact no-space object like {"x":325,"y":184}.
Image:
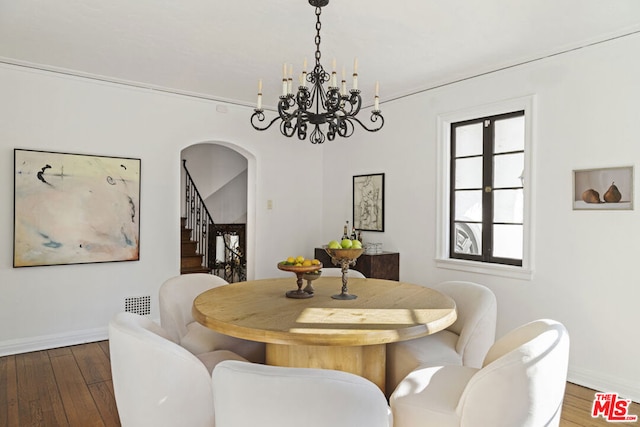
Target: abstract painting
{"x":368,"y":202}
{"x":75,"y":208}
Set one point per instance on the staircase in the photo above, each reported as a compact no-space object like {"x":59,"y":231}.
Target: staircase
{"x":207,"y":247}
{"x":190,"y":259}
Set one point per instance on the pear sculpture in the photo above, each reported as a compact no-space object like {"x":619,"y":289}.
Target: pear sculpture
{"x":591,"y":196}
{"x":613,"y":194}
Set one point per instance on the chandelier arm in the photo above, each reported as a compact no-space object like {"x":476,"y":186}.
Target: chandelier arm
{"x":344,"y":127}
{"x":333,"y":101}
{"x":259,"y":116}
{"x":302,"y":131}
{"x":375,"y":117}
{"x":287,"y":129}
{"x":302,"y":118}
{"x":285,"y":103}
{"x":350,"y":106}
{"x":355,"y":101}
{"x":331,"y":132}
{"x":303,"y":99}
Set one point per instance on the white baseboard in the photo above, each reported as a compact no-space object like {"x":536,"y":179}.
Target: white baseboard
{"x":46,"y":342}
{"x":26,"y":345}
{"x":605,"y":383}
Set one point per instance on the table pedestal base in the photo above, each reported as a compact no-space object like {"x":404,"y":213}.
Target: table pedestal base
{"x":367,"y":361}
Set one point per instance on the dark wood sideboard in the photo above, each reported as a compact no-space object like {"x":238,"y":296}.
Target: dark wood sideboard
{"x":385,"y":265}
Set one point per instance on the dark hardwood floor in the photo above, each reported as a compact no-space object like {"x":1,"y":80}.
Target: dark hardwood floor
{"x":68,"y":386}
{"x":71,"y":386}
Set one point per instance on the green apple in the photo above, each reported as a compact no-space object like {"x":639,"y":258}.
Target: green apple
{"x":355,"y":244}
{"x":334,"y":245}
{"x":346,"y":244}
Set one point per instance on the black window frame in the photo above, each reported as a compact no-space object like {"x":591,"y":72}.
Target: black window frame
{"x":487,"y":223}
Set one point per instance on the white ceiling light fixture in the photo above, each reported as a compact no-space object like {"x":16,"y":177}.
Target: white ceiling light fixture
{"x":334,"y":106}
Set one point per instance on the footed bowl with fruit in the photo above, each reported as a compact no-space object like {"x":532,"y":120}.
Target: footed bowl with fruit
{"x":344,"y":254}
{"x":343,"y":257}
{"x":300,"y":269}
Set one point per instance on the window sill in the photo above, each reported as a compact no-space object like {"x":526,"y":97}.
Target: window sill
{"x":510,"y":271}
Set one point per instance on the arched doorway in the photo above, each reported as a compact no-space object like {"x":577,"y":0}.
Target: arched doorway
{"x":217,"y":182}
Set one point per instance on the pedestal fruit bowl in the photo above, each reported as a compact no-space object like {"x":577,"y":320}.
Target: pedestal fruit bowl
{"x":344,"y":258}
{"x":301,"y":271}
{"x":310,"y":277}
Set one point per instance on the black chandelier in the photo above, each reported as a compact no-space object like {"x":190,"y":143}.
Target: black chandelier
{"x":316,"y":106}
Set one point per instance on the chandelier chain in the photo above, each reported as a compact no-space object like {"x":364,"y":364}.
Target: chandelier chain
{"x":318,"y":54}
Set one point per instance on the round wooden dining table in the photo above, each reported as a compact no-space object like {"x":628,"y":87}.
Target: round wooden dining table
{"x":321,"y":332}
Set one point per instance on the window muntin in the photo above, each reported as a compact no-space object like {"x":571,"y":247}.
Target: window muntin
{"x":487,"y":189}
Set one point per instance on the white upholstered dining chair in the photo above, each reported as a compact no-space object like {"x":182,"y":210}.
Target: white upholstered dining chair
{"x":156,"y":382}
{"x":521,"y":383}
{"x":176,"y":301}
{"x":337,"y":272}
{"x":465,"y":342}
{"x":248,"y":395}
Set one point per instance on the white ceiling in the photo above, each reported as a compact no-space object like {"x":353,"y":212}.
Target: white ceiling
{"x":219,"y":49}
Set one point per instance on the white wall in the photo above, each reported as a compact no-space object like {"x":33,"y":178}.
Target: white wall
{"x":43,"y":307}
{"x":585,"y":274}
{"x":229,"y":204}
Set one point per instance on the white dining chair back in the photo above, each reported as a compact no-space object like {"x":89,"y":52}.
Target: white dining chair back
{"x":475,"y":326}
{"x":176,"y":303}
{"x":249,"y":395}
{"x":521,"y":383}
{"x":465,"y":342}
{"x":156,"y":382}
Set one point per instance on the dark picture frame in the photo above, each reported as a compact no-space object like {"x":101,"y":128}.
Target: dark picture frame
{"x":75,"y":208}
{"x":368,"y":202}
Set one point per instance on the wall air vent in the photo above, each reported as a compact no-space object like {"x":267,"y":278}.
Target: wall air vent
{"x":138,"y":305}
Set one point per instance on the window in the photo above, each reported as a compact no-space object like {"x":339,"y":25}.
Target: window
{"x":485,"y":189}
{"x":486,"y":196}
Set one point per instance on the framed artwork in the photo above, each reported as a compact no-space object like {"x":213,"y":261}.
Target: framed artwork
{"x":368,"y":202}
{"x":75,"y":208}
{"x":603,"y":188}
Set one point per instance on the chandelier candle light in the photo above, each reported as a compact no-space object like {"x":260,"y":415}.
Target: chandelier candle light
{"x":316,"y":105}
